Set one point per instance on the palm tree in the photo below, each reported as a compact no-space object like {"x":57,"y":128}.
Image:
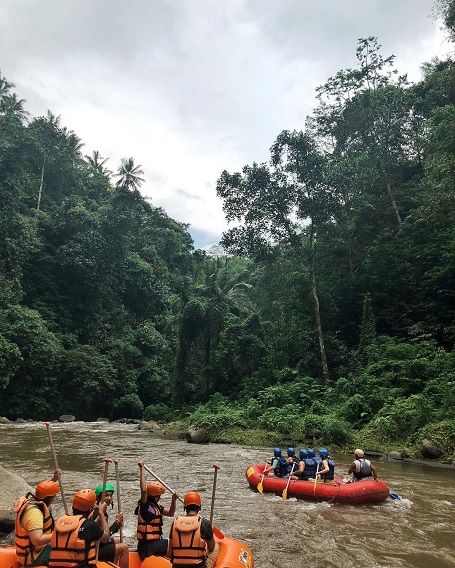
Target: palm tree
{"x":5,"y":87}
{"x":97,"y":162}
{"x":129,"y":174}
{"x":10,"y":104}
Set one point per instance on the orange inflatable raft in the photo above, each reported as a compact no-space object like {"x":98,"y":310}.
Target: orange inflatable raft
{"x":359,"y":493}
{"x":233,"y":554}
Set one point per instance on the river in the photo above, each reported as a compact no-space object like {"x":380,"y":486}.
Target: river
{"x":415,"y":531}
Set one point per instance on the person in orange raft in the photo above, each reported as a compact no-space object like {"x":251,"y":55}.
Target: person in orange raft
{"x":34,"y":523}
{"x":74,"y":539}
{"x":150,"y":518}
{"x":191,"y":537}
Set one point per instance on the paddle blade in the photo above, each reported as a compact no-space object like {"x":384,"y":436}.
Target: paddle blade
{"x":285,"y":493}
{"x":218,"y":533}
{"x":260,"y":487}
{"x":394,"y":496}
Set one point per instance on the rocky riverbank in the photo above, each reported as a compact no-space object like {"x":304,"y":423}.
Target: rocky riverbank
{"x":12,"y":486}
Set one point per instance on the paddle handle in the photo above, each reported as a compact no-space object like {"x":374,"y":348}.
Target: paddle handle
{"x":106,"y":461}
{"x":54,"y":456}
{"x":315,"y":479}
{"x":215,"y":473}
{"x":162,"y":483}
{"x":119,"y":506}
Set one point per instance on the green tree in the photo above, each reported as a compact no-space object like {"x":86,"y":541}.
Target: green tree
{"x":129,"y":175}
{"x":285,"y":204}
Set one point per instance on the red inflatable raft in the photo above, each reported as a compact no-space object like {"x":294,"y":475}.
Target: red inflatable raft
{"x":358,"y":493}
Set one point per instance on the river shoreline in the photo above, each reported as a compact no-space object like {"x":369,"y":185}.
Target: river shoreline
{"x":182,"y":430}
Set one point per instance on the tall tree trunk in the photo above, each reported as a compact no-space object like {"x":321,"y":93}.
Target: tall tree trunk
{"x":40,"y":187}
{"x":317,"y":312}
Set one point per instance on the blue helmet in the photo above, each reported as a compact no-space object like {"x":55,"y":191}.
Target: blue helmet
{"x":291,"y":452}
{"x":311,"y":453}
{"x":324,"y":453}
{"x":277,"y":452}
{"x":303,"y":454}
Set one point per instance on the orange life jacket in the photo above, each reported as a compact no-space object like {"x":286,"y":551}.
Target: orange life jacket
{"x":26,"y":552}
{"x":149,"y":530}
{"x":68,"y":550}
{"x":188,"y":547}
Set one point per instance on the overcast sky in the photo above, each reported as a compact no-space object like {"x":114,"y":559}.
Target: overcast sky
{"x":190,"y":88}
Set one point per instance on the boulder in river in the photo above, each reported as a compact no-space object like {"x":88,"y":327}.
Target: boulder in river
{"x":102,"y":419}
{"x":197,"y":436}
{"x":150,"y":426}
{"x":430,"y":450}
{"x":66,"y":418}
{"x":12,"y":486}
{"x":394,"y":456}
{"x":4,"y":420}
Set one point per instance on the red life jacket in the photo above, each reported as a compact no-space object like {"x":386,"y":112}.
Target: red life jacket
{"x":26,"y":552}
{"x":188,"y":547}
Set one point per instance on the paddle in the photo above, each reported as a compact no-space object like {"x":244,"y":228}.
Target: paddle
{"x":119,"y":506}
{"x":49,"y":433}
{"x":260,"y":487}
{"x":106,"y":461}
{"x":162,"y":482}
{"x":218,"y":533}
{"x":394,"y":496}
{"x":315,"y":479}
{"x":285,"y":490}
{"x":217,"y":467}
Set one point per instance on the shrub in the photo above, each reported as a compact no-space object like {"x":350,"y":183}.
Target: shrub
{"x":128,"y":406}
{"x":442,"y":434}
{"x":284,"y":420}
{"x":402,"y":418}
{"x":217,"y":414}
{"x":158,"y":412}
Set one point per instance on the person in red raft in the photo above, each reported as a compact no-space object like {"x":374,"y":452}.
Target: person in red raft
{"x":362,"y":468}
{"x":150,"y":518}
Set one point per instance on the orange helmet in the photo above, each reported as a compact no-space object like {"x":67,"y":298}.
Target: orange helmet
{"x":84,"y":500}
{"x":192,"y":498}
{"x":47,"y":489}
{"x":155,"y":488}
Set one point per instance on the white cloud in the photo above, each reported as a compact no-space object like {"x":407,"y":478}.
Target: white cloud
{"x":192,"y":87}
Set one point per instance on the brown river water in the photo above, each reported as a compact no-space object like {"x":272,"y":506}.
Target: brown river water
{"x":416,"y":531}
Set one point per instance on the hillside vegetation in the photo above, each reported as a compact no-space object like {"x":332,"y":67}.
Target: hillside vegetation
{"x":331,"y":321}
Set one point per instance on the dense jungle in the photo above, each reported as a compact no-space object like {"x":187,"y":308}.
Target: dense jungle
{"x":330,"y":317}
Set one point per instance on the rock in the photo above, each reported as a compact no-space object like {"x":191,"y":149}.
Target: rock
{"x":21,"y":421}
{"x":7,"y":519}
{"x":66,"y":418}
{"x":4,"y":420}
{"x":430,"y":450}
{"x":197,"y":436}
{"x":8,"y":540}
{"x":374,"y":453}
{"x":394,"y":456}
{"x":102,"y":419}
{"x":12,"y":486}
{"x":150,"y":426}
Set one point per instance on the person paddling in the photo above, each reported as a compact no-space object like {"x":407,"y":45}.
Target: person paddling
{"x":362,"y":468}
{"x":191,"y":537}
{"x":113,"y":550}
{"x":75,"y":536}
{"x":34,"y":523}
{"x":150,"y":518}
